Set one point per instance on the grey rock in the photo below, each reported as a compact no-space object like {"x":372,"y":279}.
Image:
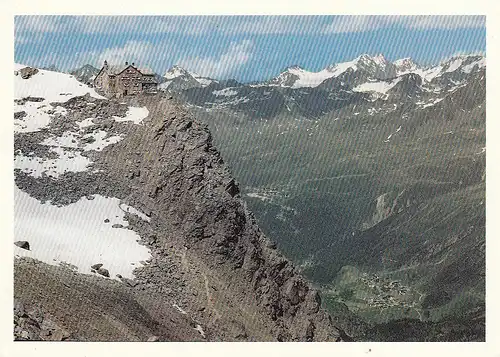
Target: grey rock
{"x":20,"y":115}
{"x":27,"y":72}
{"x":103,"y":272}
{"x":23,"y":244}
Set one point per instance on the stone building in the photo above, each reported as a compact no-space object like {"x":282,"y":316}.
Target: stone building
{"x":124,"y":80}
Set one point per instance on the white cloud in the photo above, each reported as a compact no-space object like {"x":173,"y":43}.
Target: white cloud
{"x":36,"y":24}
{"x":237,"y":55}
{"x":113,"y":24}
{"x":444,"y":22}
{"x":132,"y":51}
{"x":346,"y":24}
{"x":198,"y":25}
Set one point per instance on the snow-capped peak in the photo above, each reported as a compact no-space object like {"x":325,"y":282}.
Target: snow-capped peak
{"x":366,"y":59}
{"x":405,"y":65}
{"x":177,"y":71}
{"x":298,"y":77}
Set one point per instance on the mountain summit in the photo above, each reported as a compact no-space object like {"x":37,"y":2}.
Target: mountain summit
{"x":85,"y":74}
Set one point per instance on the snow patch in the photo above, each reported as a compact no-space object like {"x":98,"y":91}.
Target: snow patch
{"x":432,"y":103}
{"x":309,"y":79}
{"x":85,"y":123}
{"x":134,"y":114}
{"x":379,"y":86}
{"x":200,"y":330}
{"x":67,"y":161}
{"x":179,"y":309}
{"x":37,"y":117}
{"x":164,"y":85}
{"x":100,"y":140}
{"x":68,"y":140}
{"x":480,"y":63}
{"x":53,"y":86}
{"x":76,"y":234}
{"x":226,"y":92}
{"x":454,"y":65}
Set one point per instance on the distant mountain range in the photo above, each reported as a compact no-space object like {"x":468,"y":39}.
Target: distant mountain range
{"x":312,"y":94}
{"x":85,"y":74}
{"x":365,"y":77}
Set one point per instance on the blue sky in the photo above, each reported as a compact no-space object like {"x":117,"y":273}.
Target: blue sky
{"x":242,"y":47}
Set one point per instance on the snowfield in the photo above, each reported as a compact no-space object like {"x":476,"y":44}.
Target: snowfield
{"x":480,"y":63}
{"x":177,"y":71}
{"x":67,"y":161}
{"x":69,"y":148}
{"x":134,"y":114}
{"x":226,"y":92}
{"x":380,"y":86}
{"x":77,"y":234}
{"x":53,"y":87}
{"x":309,"y":79}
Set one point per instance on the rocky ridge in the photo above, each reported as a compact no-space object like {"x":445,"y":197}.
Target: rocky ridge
{"x":209,"y":258}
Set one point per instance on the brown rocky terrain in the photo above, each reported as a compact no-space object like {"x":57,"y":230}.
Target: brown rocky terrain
{"x":213,"y":274}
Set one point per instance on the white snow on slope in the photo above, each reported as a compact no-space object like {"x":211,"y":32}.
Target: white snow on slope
{"x":177,"y":71}
{"x":68,"y":139}
{"x":76,"y":234}
{"x":174,"y":72}
{"x":85,"y":123}
{"x":405,"y":65}
{"x":480,"y":63}
{"x":36,"y":117}
{"x":203,"y":81}
{"x":164,"y":85}
{"x":379,"y":86}
{"x":309,"y":79}
{"x":67,"y":161}
{"x":454,"y":65}
{"x":226,"y":92}
{"x":134,"y":114}
{"x":101,"y":140}
{"x":430,"y":73}
{"x":53,"y":87}
{"x":430,"y":104}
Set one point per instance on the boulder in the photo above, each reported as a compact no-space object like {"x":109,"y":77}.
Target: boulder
{"x":23,"y":244}
{"x":28,"y":72}
{"x":103,"y":272}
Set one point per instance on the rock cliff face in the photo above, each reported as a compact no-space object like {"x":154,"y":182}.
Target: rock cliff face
{"x":173,"y":172}
{"x":210,"y":260}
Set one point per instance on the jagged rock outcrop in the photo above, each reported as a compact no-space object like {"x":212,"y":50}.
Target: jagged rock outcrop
{"x":27,"y":72}
{"x":210,"y":260}
{"x":34,"y":324}
{"x":175,"y":174}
